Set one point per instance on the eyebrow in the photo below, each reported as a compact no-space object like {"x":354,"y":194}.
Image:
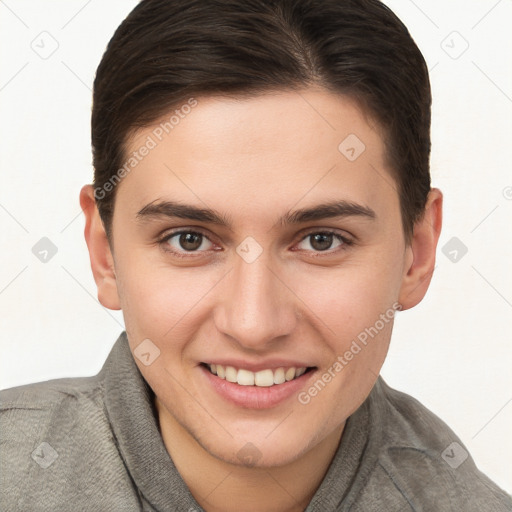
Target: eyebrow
{"x":333,"y":209}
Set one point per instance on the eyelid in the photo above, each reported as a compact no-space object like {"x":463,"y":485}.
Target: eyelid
{"x":167,"y":235}
{"x":185,"y":229}
{"x":346,"y":240}
{"x":332,"y":231}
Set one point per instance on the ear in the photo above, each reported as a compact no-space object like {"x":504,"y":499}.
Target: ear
{"x":421,"y":253}
{"x":102,"y":261}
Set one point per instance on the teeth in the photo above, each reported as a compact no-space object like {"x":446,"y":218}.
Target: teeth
{"x":289,"y":374}
{"x":245,"y":378}
{"x":279,"y":376}
{"x":231,"y":374}
{"x":263,"y":378}
{"x":300,"y":371}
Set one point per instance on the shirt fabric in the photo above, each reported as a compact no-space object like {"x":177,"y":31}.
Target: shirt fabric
{"x":93,"y":444}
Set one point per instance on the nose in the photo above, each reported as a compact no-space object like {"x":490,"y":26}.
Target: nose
{"x":257,"y":309}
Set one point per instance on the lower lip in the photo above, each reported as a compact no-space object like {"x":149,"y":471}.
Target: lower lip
{"x":255,"y":397}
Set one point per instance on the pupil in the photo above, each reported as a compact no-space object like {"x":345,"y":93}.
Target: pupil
{"x":190,"y":241}
{"x":321,"y":242}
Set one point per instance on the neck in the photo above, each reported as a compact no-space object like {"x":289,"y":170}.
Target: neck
{"x":219,"y":486}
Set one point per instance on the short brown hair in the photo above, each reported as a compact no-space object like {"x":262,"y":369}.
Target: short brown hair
{"x":167,"y":51}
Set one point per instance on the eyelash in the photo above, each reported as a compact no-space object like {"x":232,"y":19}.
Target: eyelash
{"x":345,"y":242}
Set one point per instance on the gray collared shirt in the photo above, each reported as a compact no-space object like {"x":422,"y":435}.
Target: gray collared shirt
{"x":93,"y":444}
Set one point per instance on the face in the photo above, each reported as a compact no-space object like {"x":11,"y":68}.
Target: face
{"x":226,"y":255}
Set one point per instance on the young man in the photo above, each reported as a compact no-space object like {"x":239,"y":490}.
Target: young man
{"x":261,"y":209}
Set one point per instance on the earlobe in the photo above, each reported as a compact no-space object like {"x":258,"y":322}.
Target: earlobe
{"x":100,"y":254}
{"x":422,"y":252}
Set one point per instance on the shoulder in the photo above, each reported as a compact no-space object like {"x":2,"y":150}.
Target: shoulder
{"x":50,"y":405}
{"x":48,"y":393}
{"x":422,"y":458}
{"x":57,"y":446}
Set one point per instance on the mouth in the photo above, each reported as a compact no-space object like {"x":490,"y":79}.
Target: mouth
{"x":265,"y":378}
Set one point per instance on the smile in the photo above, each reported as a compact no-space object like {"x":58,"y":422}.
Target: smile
{"x":262,"y":378}
{"x":263,"y":388}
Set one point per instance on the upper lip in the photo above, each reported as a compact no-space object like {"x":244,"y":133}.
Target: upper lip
{"x":272,"y":364}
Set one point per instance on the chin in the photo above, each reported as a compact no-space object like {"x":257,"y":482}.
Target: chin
{"x":263,"y":451}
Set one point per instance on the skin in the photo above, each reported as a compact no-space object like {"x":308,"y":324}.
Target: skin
{"x":254,"y":160}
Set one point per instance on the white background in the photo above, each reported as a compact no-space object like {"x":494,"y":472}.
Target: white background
{"x":453,"y":352}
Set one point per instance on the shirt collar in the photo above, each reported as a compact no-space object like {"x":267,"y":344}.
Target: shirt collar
{"x":130,"y":407}
{"x":129,"y":401}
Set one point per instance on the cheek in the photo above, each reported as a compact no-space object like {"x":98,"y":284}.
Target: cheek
{"x":160,"y":302}
{"x":149,"y":299}
{"x":351,"y":298}
{"x":356,"y":322}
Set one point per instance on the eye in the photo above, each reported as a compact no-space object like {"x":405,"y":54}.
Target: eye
{"x":182,"y":242}
{"x":189,"y":243}
{"x":322,"y":241}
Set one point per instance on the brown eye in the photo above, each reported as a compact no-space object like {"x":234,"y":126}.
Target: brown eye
{"x":190,"y":241}
{"x":183,"y":242}
{"x":321,"y":241}
{"x":324,"y":241}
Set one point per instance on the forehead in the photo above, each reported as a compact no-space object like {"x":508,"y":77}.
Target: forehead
{"x":253,"y":155}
